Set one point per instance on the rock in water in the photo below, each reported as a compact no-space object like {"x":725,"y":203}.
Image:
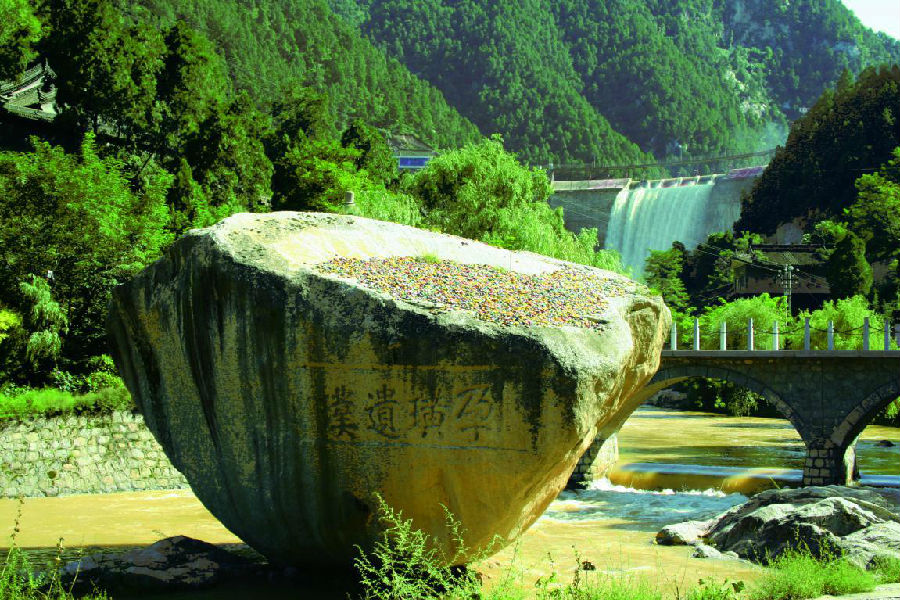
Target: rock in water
{"x":289,"y":396}
{"x":831,"y":520}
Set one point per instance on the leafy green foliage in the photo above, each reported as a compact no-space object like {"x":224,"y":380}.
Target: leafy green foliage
{"x":886,"y":568}
{"x":875,"y":216}
{"x":404,"y":564}
{"x":272,"y":46}
{"x":797,"y":574}
{"x":77,"y":216}
{"x":482,"y":192}
{"x":848,"y":316}
{"x":191,"y":86}
{"x":9,"y":322}
{"x":736,"y":314}
{"x":20,"y":29}
{"x":849,"y":274}
{"x":375,"y":155}
{"x":847,"y":131}
{"x":106,"y":68}
{"x":50,"y":402}
{"x":663,"y":274}
{"x":47,"y":320}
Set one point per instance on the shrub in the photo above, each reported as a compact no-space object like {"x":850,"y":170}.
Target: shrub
{"x":404,"y":565}
{"x":53,"y":401}
{"x":886,"y":568}
{"x":797,"y":574}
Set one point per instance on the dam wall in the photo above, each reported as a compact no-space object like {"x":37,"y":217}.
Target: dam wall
{"x":635,"y":217}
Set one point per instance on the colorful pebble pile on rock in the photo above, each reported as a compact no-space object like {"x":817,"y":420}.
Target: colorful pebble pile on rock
{"x":566,"y":297}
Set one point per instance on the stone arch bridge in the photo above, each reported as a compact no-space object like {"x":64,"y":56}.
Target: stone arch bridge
{"x":828,"y":396}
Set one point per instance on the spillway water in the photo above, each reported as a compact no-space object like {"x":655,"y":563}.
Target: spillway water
{"x":650,"y":215}
{"x":651,"y":218}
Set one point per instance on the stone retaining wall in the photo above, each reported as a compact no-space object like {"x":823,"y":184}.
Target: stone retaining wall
{"x":82,"y":455}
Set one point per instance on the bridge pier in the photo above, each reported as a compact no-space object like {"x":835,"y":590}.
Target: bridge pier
{"x":596,"y":462}
{"x":829,"y":464}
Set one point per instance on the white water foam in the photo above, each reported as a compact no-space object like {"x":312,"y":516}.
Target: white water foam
{"x":645,"y":219}
{"x":650,"y":509}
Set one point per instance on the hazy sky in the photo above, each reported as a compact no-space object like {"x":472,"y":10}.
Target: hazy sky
{"x":880,"y":15}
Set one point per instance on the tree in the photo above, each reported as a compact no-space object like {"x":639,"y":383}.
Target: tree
{"x":482,"y":192}
{"x":302,"y":114}
{"x":848,"y":272}
{"x":875,"y":216}
{"x":813,"y":176}
{"x":191,"y":87}
{"x":228,"y":158}
{"x":46,"y":320}
{"x":663,"y":270}
{"x":375,"y":155}
{"x":106,"y":68}
{"x":77,"y":216}
{"x":309,"y":175}
{"x":20,"y":29}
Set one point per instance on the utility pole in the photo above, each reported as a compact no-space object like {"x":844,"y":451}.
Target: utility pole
{"x":787,"y":282}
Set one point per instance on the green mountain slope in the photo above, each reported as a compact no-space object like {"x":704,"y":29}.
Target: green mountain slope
{"x":679,"y":78}
{"x":271,"y":45}
{"x":504,"y":67}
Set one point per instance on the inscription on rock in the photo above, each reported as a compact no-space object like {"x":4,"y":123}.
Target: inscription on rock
{"x":399,"y":412}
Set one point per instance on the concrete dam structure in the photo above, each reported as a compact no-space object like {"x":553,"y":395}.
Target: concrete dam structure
{"x":635,"y":217}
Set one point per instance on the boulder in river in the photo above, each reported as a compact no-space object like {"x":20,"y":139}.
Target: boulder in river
{"x":294,"y":365}
{"x":175,"y":563}
{"x":829,"y":520}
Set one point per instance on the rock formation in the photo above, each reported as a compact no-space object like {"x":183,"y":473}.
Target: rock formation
{"x":857,"y":523}
{"x":289,"y":397}
{"x":175,"y":563}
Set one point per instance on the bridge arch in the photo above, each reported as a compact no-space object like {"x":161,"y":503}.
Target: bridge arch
{"x":860,"y":417}
{"x":671,"y":375}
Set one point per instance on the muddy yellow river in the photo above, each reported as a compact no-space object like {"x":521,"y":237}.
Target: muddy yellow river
{"x":706,"y":459}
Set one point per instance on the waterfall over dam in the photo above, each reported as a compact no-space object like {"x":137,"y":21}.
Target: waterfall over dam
{"x":635,"y":217}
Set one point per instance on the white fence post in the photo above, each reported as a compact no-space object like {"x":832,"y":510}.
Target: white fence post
{"x":831,"y":335}
{"x":750,"y":334}
{"x":673,"y":337}
{"x":887,"y":335}
{"x":723,"y":336}
{"x":866,"y":333}
{"x":696,"y":333}
{"x":775,"y":336}
{"x":806,"y":334}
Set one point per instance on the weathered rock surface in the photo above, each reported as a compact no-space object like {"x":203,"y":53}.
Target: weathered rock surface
{"x":687,"y":533}
{"x":175,"y":563}
{"x":288,"y":398}
{"x":856,"y":522}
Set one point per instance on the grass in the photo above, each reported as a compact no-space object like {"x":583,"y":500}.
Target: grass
{"x":429,"y":258}
{"x":53,"y":402}
{"x":404,"y":566}
{"x":796,"y":575}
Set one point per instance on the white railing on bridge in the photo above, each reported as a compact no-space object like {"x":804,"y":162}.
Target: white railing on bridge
{"x":865,"y":332}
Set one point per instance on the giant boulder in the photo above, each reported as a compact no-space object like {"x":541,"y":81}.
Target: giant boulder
{"x":289,"y":397}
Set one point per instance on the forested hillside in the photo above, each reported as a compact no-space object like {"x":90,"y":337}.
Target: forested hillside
{"x":848,"y":132}
{"x":685,"y":78}
{"x":272,"y":45}
{"x":504,"y":67}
